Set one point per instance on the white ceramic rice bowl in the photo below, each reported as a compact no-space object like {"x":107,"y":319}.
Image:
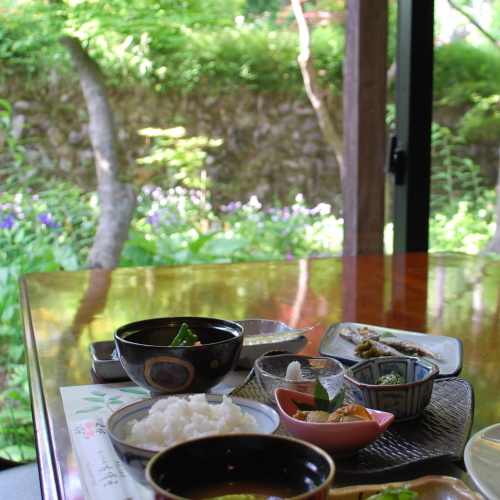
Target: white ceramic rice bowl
{"x":135,"y":459}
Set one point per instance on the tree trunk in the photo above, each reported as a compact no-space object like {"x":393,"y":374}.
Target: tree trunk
{"x":117,"y":200}
{"x":494,"y":244}
{"x":330,"y":134}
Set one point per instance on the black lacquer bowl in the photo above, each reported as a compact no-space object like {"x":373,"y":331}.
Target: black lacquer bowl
{"x":241,"y":466}
{"x":149,"y":360}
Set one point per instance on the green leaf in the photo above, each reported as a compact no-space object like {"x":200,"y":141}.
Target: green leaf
{"x":304,"y":406}
{"x":135,"y":391}
{"x":387,"y":334}
{"x":321,"y":398}
{"x":98,"y":393}
{"x":393,"y":493}
{"x":90,"y":408}
{"x":94,"y":400}
{"x":322,"y":401}
{"x":337,"y":401}
{"x":116,"y":402}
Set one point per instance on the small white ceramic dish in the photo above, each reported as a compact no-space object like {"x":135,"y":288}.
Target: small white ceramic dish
{"x":135,"y":459}
{"x":263,"y":335}
{"x":482,"y":460}
{"x":449,"y":348}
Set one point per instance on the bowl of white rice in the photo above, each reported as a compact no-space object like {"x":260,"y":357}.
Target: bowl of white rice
{"x":140,"y":430}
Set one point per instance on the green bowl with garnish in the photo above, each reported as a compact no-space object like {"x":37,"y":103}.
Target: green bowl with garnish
{"x":401,"y":385}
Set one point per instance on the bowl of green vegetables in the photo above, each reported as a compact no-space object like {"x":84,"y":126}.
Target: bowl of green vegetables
{"x":180,"y":354}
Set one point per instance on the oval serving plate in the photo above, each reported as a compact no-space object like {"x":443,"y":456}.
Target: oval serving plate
{"x":427,"y":487}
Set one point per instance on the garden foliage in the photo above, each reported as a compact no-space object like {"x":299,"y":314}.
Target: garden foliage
{"x":168,"y":47}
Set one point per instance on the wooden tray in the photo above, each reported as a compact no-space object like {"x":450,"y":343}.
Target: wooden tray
{"x":439,"y":434}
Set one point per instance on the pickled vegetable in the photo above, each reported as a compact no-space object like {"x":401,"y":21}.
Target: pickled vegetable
{"x":390,"y":379}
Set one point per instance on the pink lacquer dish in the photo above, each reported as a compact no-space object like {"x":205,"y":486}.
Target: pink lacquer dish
{"x":340,"y":439}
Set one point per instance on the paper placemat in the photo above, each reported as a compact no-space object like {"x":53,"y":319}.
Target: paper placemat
{"x":87,"y":408}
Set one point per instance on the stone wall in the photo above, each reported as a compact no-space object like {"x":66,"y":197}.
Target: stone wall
{"x":272,"y":146}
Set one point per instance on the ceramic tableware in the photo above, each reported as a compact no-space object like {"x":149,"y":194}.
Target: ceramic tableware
{"x":340,"y":439}
{"x":150,"y":361}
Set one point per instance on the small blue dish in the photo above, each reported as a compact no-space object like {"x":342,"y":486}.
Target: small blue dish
{"x":404,"y":401}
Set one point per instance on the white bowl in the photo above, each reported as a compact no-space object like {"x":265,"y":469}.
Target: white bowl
{"x":135,"y":459}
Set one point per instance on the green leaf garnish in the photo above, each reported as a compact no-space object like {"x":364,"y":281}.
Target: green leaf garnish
{"x":392,"y":493}
{"x":322,"y":401}
{"x":387,"y":334}
{"x":337,"y":401}
{"x":321,"y":398}
{"x":304,"y":406}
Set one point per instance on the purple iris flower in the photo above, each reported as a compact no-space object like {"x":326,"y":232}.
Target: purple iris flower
{"x":47,"y":219}
{"x":153,"y":219}
{"x":8,"y":222}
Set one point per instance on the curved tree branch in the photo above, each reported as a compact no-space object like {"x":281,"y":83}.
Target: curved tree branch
{"x":117,"y":200}
{"x":309,"y":76}
{"x":474,"y":22}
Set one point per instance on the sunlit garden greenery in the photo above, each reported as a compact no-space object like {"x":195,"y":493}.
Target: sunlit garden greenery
{"x":175,"y":226}
{"x":174,"y":223}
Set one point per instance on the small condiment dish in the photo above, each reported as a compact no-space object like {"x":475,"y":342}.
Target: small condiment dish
{"x":340,"y":439}
{"x":135,"y":458}
{"x":406,"y":400}
{"x":271,"y":371}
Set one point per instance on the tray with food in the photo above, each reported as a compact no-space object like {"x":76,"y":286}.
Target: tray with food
{"x":352,"y":342}
{"x":438,"y":435}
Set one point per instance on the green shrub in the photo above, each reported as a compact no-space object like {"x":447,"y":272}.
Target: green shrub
{"x":462,"y":70}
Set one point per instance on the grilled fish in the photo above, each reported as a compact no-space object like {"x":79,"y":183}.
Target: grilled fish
{"x":398,"y":343}
{"x":372,"y":347}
